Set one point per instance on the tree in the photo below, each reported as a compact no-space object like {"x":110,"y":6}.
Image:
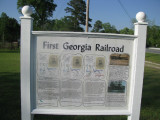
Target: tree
{"x":153,"y":36}
{"x":153,"y":33}
{"x":9,"y":29}
{"x":77,"y":8}
{"x":42,"y":11}
{"x":3,"y":23}
{"x":64,"y":24}
{"x":97,"y":26}
{"x":108,"y":28}
{"x":13,"y":29}
{"x":126,"y":31}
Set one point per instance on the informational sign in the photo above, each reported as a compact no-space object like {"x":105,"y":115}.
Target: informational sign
{"x":77,"y":73}
{"x":82,"y":72}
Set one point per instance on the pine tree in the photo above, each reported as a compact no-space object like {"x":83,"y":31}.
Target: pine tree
{"x":77,"y":8}
{"x":97,"y":26}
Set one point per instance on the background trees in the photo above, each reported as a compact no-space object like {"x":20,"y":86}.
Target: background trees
{"x":9,"y":29}
{"x":42,"y":11}
{"x":97,"y":26}
{"x":64,"y":24}
{"x":77,"y":9}
{"x":153,"y":36}
{"x":108,"y":28}
{"x":75,"y":21}
{"x":126,"y":31}
{"x":104,"y":27}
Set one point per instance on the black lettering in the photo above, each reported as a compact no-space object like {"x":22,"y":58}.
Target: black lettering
{"x":113,"y":49}
{"x":122,"y":49}
{"x":97,"y":47}
{"x":65,"y":46}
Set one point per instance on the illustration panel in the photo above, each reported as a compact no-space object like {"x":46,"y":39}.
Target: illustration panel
{"x":94,"y":67}
{"x":53,"y":61}
{"x":117,"y":86}
{"x":119,"y":59}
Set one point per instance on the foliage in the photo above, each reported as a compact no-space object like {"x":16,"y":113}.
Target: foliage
{"x":77,"y":8}
{"x":42,"y":11}
{"x":9,"y":29}
{"x":126,"y":31}
{"x":153,"y":33}
{"x":153,"y":36}
{"x":104,"y":27}
{"x":108,"y":28}
{"x":97,"y":26}
{"x":64,"y":24}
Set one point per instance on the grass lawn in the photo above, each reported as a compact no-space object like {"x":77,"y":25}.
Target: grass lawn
{"x":10,"y":92}
{"x":153,"y":57}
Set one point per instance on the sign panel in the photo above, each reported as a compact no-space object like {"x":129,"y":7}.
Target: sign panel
{"x":82,"y":72}
{"x":73,"y":73}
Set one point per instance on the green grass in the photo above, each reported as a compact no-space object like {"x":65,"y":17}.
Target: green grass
{"x":9,"y":85}
{"x":10,"y":92}
{"x":153,"y":57}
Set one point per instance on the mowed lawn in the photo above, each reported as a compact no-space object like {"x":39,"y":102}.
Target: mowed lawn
{"x":10,"y":91}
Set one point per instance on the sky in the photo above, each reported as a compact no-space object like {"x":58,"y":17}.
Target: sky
{"x":116,"y":13}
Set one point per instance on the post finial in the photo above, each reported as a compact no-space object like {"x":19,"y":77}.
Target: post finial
{"x":27,"y":11}
{"x":141,"y":17}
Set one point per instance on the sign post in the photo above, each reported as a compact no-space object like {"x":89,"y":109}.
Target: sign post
{"x":140,"y":43}
{"x":74,"y":73}
{"x":26,"y":36}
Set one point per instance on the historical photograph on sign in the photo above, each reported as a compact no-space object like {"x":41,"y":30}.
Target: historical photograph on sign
{"x":53,"y":61}
{"x":94,"y":67}
{"x":119,"y":59}
{"x":77,"y":62}
{"x":116,"y":94}
{"x":47,"y":65}
{"x":71,"y":66}
{"x":100,"y":63}
{"x":117,"y":87}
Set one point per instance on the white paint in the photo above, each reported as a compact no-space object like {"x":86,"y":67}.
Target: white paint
{"x":141,"y":16}
{"x":80,"y":112}
{"x":138,"y":70}
{"x":27,"y":11}
{"x":26,"y":36}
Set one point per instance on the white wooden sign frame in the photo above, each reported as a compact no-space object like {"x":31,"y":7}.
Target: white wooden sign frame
{"x":28,"y":53}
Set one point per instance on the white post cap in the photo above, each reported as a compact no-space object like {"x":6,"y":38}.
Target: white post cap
{"x":141,"y":17}
{"x":27,"y":11}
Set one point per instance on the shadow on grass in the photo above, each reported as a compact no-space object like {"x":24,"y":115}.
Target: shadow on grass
{"x":10,"y":96}
{"x":9,"y":51}
{"x":151,"y":88}
{"x":64,"y":117}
